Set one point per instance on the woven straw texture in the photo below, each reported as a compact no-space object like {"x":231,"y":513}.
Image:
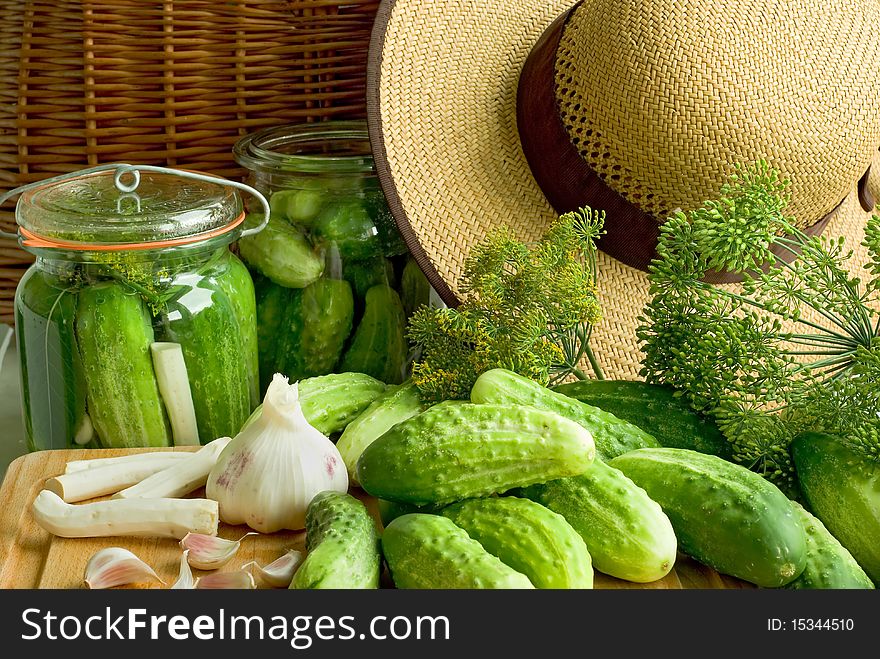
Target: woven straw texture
{"x":441,"y":104}
{"x":166,"y":83}
{"x":658,"y":97}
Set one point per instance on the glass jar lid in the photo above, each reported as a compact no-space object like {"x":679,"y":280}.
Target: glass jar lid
{"x":334,"y":147}
{"x":110,"y":208}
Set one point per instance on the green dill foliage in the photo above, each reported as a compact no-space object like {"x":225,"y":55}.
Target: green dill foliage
{"x":757,"y":361}
{"x":526,"y":308}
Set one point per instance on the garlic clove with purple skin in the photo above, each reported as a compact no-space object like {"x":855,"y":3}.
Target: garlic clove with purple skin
{"x":185,"y":580}
{"x":237,"y":579}
{"x":279,"y":573}
{"x":115,"y":566}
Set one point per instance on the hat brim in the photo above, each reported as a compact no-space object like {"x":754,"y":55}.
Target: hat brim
{"x":441,"y":104}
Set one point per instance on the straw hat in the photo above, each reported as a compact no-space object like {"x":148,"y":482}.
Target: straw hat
{"x":491,"y":112}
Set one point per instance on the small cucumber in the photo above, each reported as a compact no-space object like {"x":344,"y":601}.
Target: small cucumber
{"x":627,"y":533}
{"x":364,"y":274}
{"x":613,"y":436}
{"x":431,"y":552}
{"x":330,"y":402}
{"x":415,"y":291}
{"x":322,"y":312}
{"x":237,"y":284}
{"x":346,"y":225}
{"x":297,"y":206}
{"x":841,"y":487}
{"x":273,"y":304}
{"x":829,"y":564}
{"x":724,"y":515}
{"x":529,"y":538}
{"x":282,"y":253}
{"x":378,"y":346}
{"x":342,"y":544}
{"x":655,"y":409}
{"x":396,"y":404}
{"x":457,"y":451}
{"x":216,"y":351}
{"x":54,"y":416}
{"x":114,"y":332}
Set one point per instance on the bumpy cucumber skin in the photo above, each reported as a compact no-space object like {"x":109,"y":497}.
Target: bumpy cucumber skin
{"x":364,"y":274}
{"x":378,"y":346}
{"x":457,"y":451}
{"x":282,"y":253}
{"x":114,"y":332}
{"x":724,"y":515}
{"x":829,"y":564}
{"x":45,"y":313}
{"x":613,"y":436}
{"x":529,"y":538}
{"x":627,"y":533}
{"x":330,"y":402}
{"x":346,"y":225}
{"x":842,"y":488}
{"x":343,"y":545}
{"x":327,"y":309}
{"x":217,"y":359}
{"x":655,"y":409}
{"x":397,"y":404}
{"x":430,"y":552}
{"x":238,"y":285}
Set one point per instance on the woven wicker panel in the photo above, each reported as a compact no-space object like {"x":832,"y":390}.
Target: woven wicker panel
{"x":168,"y":83}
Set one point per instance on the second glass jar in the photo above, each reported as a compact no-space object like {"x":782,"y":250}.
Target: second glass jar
{"x":334,"y":282}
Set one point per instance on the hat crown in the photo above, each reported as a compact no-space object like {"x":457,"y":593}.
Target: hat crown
{"x":660,"y":99}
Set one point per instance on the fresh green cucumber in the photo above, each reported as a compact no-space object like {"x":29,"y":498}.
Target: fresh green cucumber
{"x":655,"y":409}
{"x":529,"y":538}
{"x":457,"y":451}
{"x":379,"y":346}
{"x":297,"y":206}
{"x":114,"y":333}
{"x":627,"y":533}
{"x":613,"y":436}
{"x":398,"y":403}
{"x":724,"y":515}
{"x":431,"y":552}
{"x":346,"y":225}
{"x":829,"y":564}
{"x":216,"y":352}
{"x":52,"y":380}
{"x":342,"y":544}
{"x":282,"y":253}
{"x":841,"y":487}
{"x":236,"y":282}
{"x":366,"y":273}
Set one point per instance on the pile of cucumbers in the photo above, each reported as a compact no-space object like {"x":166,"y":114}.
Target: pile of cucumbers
{"x":334,"y":285}
{"x":528,"y":487}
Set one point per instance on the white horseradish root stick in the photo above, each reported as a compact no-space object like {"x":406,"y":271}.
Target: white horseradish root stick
{"x":168,"y":457}
{"x":164,"y":518}
{"x":181,"y":478}
{"x":110,"y":478}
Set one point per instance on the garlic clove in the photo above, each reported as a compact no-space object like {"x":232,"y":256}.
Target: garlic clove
{"x":208,"y":552}
{"x":239,"y":579}
{"x":185,"y":580}
{"x":279,"y":573}
{"x":115,"y":566}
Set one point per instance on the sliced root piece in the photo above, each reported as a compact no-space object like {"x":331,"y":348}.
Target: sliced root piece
{"x":164,"y":518}
{"x":173,"y":381}
{"x":108,"y":479}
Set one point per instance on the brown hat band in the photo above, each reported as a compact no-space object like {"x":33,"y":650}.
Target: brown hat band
{"x":569,"y":182}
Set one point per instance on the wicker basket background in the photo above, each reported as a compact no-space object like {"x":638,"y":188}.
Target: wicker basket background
{"x":167,"y":83}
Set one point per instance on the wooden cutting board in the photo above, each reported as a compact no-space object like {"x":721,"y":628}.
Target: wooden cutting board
{"x":33,"y":558}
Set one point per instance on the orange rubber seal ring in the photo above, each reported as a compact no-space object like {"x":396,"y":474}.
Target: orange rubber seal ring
{"x":31,"y":239}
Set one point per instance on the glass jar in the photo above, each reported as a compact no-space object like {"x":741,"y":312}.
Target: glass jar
{"x":334,"y":280}
{"x":136,"y":325}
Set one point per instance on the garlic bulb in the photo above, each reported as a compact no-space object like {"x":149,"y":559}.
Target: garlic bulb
{"x":268,"y":474}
